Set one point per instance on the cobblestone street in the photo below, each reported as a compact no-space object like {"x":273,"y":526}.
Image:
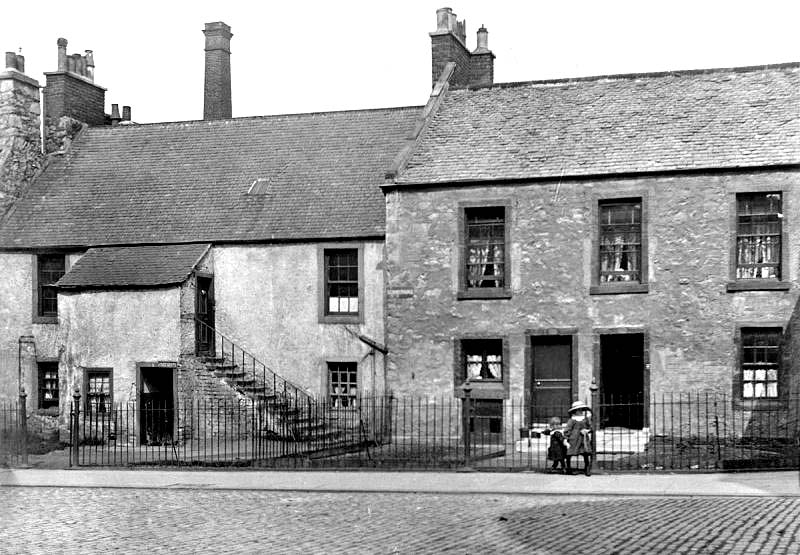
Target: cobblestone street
{"x":83,"y":520}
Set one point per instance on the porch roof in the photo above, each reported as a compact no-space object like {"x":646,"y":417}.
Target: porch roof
{"x":132,"y":267}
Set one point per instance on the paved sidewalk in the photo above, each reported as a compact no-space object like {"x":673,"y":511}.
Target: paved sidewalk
{"x":759,"y":484}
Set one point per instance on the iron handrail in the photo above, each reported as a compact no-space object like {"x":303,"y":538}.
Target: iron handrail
{"x":280,"y":385}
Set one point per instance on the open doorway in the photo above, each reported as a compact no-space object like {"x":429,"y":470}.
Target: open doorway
{"x":622,"y":380}
{"x":156,"y":405}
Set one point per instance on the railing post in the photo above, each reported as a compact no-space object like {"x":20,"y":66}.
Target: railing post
{"x":76,"y":403}
{"x":23,"y":425}
{"x":467,"y":388}
{"x":594,"y":392}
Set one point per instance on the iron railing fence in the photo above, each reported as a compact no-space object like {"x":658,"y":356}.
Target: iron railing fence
{"x":245,"y":372}
{"x":13,"y":433}
{"x":671,"y":432}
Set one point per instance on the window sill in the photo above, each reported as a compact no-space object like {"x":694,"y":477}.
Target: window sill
{"x":762,"y":403}
{"x":45,"y":319}
{"x":483,"y":294}
{"x":619,"y":288}
{"x":758,"y":285}
{"x":482,"y":390}
{"x":342,"y":319}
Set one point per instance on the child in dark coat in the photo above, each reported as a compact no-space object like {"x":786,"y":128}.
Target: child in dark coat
{"x":557,"y":452}
{"x":578,"y":433}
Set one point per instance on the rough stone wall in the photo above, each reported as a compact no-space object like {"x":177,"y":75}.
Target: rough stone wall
{"x":20,"y":143}
{"x":267,"y":302}
{"x":688,"y":315}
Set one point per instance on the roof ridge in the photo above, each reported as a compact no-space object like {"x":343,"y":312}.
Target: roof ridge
{"x":640,"y":75}
{"x":261,"y":117}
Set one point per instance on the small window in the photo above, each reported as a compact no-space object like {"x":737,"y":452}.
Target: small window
{"x":343,"y":384}
{"x":761,"y":361}
{"x":483,"y":359}
{"x":48,"y":384}
{"x":98,"y":389}
{"x":485,"y":248}
{"x":486,"y":417}
{"x":758,"y":236}
{"x":620,"y":240}
{"x":341,"y":282}
{"x":49,"y":269}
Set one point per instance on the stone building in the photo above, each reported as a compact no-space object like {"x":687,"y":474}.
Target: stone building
{"x":638,"y":231}
{"x":635,"y":230}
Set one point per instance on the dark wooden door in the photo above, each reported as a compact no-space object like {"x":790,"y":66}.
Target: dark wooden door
{"x":156,"y":406}
{"x":622,"y":380}
{"x":204,"y":310}
{"x":551,"y":384}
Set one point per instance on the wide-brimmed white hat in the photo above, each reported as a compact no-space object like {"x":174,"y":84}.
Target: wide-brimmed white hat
{"x":578,"y":405}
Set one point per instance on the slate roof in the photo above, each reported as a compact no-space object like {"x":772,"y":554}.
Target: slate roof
{"x":724,"y":118}
{"x":140,"y":266}
{"x":189,"y":181}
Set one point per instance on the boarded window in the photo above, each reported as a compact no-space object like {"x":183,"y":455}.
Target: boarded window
{"x":343,"y":384}
{"x":758,"y":236}
{"x":620,"y":239}
{"x":485,"y":247}
{"x":341,"y":282}
{"x":760,"y":365}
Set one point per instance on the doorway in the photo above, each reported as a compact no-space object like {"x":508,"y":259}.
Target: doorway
{"x":156,"y":405}
{"x":204,"y":312}
{"x":551,"y":376}
{"x":622,"y":380}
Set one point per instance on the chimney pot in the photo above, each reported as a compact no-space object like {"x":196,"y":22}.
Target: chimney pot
{"x":126,"y":113}
{"x":90,"y":65}
{"x":62,"y":54}
{"x":21,"y":63}
{"x":443,"y":19}
{"x":483,"y":39}
{"x":115,"y":119}
{"x":11,"y":60}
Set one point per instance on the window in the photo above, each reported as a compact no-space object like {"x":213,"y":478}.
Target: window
{"x":342,"y":289}
{"x":49,"y":269}
{"x":48,"y":384}
{"x":483,"y":359}
{"x":343,"y":384}
{"x":620,"y":241}
{"x":485,"y":247}
{"x":98,"y":388}
{"x":486,"y":417}
{"x":758,"y":236}
{"x":760,"y":363}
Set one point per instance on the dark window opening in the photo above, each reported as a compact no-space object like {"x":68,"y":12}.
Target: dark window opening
{"x":486,"y":417}
{"x":620,"y":241}
{"x":760,"y":364}
{"x":98,"y":391}
{"x":485,"y":247}
{"x":50,"y":268}
{"x":758,"y":236}
{"x":341,"y":282}
{"x":48,"y":384}
{"x":483,"y":359}
{"x":343,"y":384}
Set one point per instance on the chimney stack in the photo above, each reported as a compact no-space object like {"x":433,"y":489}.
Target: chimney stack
{"x":217,"y":100}
{"x":449,"y":44}
{"x":126,"y":113}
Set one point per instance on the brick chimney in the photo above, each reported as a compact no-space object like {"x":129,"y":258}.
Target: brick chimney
{"x":448,"y":44}
{"x":71,"y":98}
{"x":217,"y":102}
{"x":20,"y":143}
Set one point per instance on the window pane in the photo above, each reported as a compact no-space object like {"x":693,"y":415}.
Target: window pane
{"x":758,"y":235}
{"x":760,"y":365}
{"x":772,"y":389}
{"x":748,"y":390}
{"x":620,"y":240}
{"x":485,"y":247}
{"x":343,"y":384}
{"x":483,"y":359}
{"x":341,"y":281}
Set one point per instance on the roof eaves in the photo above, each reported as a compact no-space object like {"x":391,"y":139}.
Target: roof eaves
{"x":428,"y":112}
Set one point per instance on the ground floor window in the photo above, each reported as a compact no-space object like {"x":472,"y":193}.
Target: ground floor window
{"x":343,"y":384}
{"x":98,"y":389}
{"x":48,"y":384}
{"x":760,"y":365}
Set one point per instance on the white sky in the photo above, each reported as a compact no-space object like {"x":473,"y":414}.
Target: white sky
{"x":309,"y":56}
